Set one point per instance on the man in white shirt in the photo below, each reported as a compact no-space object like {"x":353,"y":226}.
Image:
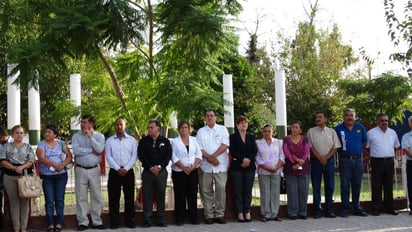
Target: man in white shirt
{"x":382,"y":142}
{"x":121,"y":154}
{"x":214,"y":141}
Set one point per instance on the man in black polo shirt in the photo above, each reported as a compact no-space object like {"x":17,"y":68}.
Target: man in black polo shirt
{"x":155,"y":152}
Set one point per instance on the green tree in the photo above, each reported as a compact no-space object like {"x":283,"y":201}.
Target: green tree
{"x":400,"y":29}
{"x":313,"y":63}
{"x":388,"y":93}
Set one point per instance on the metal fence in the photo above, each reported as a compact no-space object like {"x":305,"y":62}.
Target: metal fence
{"x":70,"y":197}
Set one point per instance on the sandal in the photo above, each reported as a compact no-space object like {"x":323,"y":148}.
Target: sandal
{"x":57,"y":229}
{"x":50,"y":229}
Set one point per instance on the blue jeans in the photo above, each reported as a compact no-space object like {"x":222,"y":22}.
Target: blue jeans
{"x":54,"y":187}
{"x":351,"y":172}
{"x":328,"y":172}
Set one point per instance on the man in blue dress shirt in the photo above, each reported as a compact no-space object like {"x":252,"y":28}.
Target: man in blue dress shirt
{"x":353,"y":138}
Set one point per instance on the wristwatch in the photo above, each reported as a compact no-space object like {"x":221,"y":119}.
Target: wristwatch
{"x":160,"y":167}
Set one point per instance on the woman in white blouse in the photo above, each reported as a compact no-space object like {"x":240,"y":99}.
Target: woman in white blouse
{"x":186,"y":158}
{"x":270,"y":160}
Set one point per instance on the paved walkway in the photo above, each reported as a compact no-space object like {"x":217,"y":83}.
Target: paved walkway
{"x":382,"y":223}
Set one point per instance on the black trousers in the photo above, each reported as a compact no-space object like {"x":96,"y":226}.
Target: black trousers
{"x":114,"y":185}
{"x":185,"y":188}
{"x":154,"y":185}
{"x":242,"y":188}
{"x":382,"y":178}
{"x":409,"y":181}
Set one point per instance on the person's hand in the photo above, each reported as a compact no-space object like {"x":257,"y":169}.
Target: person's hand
{"x":58,"y":167}
{"x":213,"y":160}
{"x":95,"y":152}
{"x":19,"y":169}
{"x":155,"y":170}
{"x":301,"y":162}
{"x":186,"y":170}
{"x":245,"y":163}
{"x":88,"y":132}
{"x":322,"y":159}
{"x":122,"y":172}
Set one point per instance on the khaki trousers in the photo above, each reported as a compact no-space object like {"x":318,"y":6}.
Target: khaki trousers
{"x":213,"y":199}
{"x":19,"y":207}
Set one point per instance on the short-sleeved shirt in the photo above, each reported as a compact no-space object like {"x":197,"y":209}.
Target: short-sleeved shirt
{"x":51,"y":153}
{"x":323,"y":140}
{"x":351,"y":141}
{"x":17,"y":155}
{"x":407,"y":142}
{"x":382,"y":143}
{"x":210,"y":140}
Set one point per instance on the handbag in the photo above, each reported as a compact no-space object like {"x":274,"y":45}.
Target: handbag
{"x":282,"y":184}
{"x":63,"y":156}
{"x":29,"y":186}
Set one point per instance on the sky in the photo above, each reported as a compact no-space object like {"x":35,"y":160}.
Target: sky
{"x":361,"y":23}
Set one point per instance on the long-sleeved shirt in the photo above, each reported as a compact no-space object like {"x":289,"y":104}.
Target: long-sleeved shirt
{"x":292,"y":151}
{"x":184,"y":155}
{"x":240,"y":150}
{"x":154,"y":152}
{"x":269,"y":154}
{"x":83,"y":148}
{"x":121,"y":152}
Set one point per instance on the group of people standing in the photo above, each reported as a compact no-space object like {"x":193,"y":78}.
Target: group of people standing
{"x":204,"y":161}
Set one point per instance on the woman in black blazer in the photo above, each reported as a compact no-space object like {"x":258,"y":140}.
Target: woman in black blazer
{"x":243,"y":150}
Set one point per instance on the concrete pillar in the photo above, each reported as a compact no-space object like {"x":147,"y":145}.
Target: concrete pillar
{"x":76,"y":97}
{"x":34,"y":113}
{"x":13,"y":98}
{"x":229,"y":116}
{"x":280,"y":100}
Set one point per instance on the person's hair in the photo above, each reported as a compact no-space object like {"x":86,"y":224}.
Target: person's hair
{"x":321,"y":112}
{"x":349,"y":110}
{"x":381,"y":115}
{"x":16,"y":127}
{"x":89,"y":118}
{"x":297,"y":122}
{"x":183,"y":122}
{"x":267,"y":126}
{"x":3,"y":131}
{"x":155,"y":121}
{"x":410,"y":118}
{"x":53,"y":128}
{"x":117,"y":119}
{"x":210,"y":110}
{"x":241,"y":119}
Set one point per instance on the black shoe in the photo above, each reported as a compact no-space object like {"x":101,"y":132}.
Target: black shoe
{"x":209,"y":221}
{"x":220,"y":220}
{"x":131,"y":225}
{"x":179,"y":223}
{"x":195,"y":221}
{"x":330,"y":215}
{"x":277,"y":219}
{"x":361,"y":213}
{"x":293,"y":217}
{"x":317,"y":215}
{"x":82,"y":227}
{"x":162,"y":224}
{"x":410,"y":212}
{"x":114,"y":226}
{"x":392,"y":212}
{"x":147,"y":224}
{"x":303,"y":217}
{"x":375,"y":213}
{"x":344,"y":215}
{"x":99,"y":227}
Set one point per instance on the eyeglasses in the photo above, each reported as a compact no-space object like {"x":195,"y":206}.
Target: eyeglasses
{"x":384,"y":120}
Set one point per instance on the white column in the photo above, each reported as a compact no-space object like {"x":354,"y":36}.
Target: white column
{"x":280,"y":102}
{"x":229,"y":116}
{"x":34,"y":113}
{"x":76,"y":97}
{"x":13,"y":98}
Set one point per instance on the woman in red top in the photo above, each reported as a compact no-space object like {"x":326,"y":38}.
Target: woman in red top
{"x":297,"y":171}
